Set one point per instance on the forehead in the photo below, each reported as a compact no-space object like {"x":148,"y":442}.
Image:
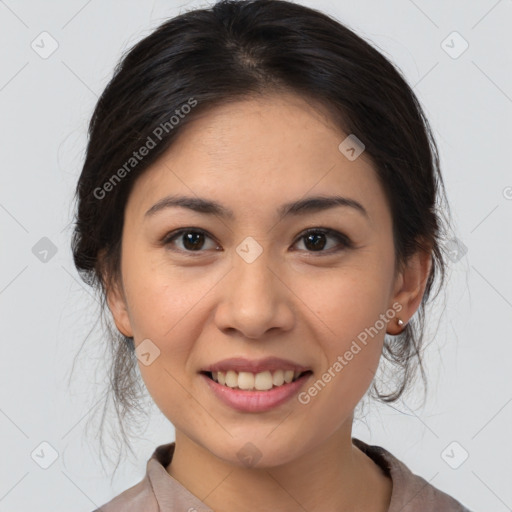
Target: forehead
{"x":259,"y":151}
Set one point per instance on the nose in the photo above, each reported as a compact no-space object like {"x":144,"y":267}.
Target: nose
{"x":255,"y":300}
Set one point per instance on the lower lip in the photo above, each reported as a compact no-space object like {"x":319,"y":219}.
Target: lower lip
{"x":255,"y":401}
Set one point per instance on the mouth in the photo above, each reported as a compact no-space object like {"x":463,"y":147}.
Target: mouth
{"x":261,"y":381}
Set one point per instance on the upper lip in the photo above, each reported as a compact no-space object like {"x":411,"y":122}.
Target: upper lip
{"x":240,"y":364}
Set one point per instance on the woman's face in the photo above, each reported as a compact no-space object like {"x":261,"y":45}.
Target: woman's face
{"x":253,"y":285}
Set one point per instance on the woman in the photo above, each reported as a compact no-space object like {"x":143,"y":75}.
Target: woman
{"x":259,"y":208}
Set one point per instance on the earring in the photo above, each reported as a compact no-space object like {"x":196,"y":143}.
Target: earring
{"x":400,"y":323}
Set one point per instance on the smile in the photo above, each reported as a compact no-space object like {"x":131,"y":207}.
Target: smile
{"x":262,"y":381}
{"x":251,"y":399}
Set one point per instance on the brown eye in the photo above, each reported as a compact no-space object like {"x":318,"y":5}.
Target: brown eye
{"x":316,"y":240}
{"x":191,"y":240}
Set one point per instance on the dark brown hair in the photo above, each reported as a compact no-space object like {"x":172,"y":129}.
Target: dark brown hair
{"x":227,"y":52}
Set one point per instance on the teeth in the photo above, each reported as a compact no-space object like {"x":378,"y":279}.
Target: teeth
{"x":262,"y":381}
{"x":246,"y":380}
{"x":231,"y":379}
{"x":278,"y":378}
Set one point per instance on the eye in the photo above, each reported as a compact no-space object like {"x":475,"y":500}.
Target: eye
{"x":315,"y":240}
{"x":192,"y":239}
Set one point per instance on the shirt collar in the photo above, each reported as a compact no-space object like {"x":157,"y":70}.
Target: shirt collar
{"x":172,"y":496}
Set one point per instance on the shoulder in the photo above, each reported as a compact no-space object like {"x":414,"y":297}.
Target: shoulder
{"x":136,"y":498}
{"x":411,"y":492}
{"x":157,"y":491}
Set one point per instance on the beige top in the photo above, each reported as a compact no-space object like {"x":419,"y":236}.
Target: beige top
{"x":160,"y":492}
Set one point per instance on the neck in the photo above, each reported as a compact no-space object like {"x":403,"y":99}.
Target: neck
{"x":336,"y":475}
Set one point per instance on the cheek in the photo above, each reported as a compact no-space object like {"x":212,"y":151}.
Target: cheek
{"x":168,"y":306}
{"x":160,"y":295}
{"x":350,"y":301}
{"x":352,"y":312}
{"x":167,"y":311}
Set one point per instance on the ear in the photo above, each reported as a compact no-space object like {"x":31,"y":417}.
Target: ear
{"x":409,"y":287}
{"x":117,"y":304}
{"x":116,"y":298}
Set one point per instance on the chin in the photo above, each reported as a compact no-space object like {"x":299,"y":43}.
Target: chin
{"x":258,"y":451}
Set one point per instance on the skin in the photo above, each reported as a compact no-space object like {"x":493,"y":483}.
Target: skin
{"x":199,"y":307}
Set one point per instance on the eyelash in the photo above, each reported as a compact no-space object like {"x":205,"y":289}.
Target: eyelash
{"x":339,"y":237}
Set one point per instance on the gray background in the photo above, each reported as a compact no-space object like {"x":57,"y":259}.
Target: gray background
{"x":47,"y":312}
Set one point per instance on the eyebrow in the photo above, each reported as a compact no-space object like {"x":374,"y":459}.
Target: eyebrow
{"x":299,"y":207}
